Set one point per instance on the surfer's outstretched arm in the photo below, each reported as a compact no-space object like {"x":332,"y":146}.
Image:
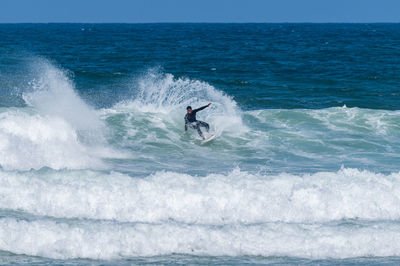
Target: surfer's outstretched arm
{"x":201,"y":108}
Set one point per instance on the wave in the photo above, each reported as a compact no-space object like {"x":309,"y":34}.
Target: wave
{"x":59,"y":130}
{"x":127,"y":181}
{"x":236,"y":198}
{"x":335,"y":120}
{"x":105,"y":240}
{"x":146,"y":130}
{"x":298,"y":140}
{"x":85,"y":214}
{"x":56,"y":129}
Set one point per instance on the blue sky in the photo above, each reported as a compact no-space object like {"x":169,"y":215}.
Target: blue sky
{"x":133,"y":11}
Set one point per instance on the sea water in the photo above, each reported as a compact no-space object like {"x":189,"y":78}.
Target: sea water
{"x":96,"y":167}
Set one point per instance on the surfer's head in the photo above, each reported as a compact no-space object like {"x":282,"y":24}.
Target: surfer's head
{"x":189,"y":109}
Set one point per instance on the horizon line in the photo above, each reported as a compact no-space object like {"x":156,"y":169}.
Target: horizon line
{"x":212,"y":22}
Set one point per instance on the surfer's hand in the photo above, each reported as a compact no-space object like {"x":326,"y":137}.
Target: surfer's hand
{"x":208,"y":104}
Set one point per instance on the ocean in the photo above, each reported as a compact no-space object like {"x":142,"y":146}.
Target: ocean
{"x":96,"y":167}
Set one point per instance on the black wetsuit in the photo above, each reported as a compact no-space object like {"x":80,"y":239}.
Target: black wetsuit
{"x":191,"y":121}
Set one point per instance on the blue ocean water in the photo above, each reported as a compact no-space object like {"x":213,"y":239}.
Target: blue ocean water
{"x":96,"y":167}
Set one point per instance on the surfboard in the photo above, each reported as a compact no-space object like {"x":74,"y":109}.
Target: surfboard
{"x":209,"y":138}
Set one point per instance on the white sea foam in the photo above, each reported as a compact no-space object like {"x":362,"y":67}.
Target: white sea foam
{"x":33,"y":141}
{"x":110,"y":240}
{"x":238,"y":197}
{"x":344,"y":214}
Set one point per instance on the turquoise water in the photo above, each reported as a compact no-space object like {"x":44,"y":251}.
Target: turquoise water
{"x":96,"y":166}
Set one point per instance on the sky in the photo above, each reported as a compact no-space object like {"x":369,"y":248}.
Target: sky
{"x":240,"y":11}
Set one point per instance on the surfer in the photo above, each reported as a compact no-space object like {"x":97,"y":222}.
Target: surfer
{"x":191,"y":121}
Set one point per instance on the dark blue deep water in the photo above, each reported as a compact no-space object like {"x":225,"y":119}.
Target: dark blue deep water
{"x":260,"y":65}
{"x":96,"y":168}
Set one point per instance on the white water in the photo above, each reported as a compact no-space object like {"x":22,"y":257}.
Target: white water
{"x":216,"y":199}
{"x":107,"y":240}
{"x":34,"y":141}
{"x":234,"y":214}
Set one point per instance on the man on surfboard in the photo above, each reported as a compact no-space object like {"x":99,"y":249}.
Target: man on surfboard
{"x":191,"y":121}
